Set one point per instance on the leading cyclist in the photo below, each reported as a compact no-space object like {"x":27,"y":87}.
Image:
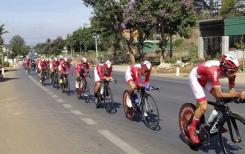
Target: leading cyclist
{"x":206,"y":75}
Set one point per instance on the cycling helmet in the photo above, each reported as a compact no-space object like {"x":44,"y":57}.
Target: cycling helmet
{"x":146,"y":65}
{"x":66,"y":59}
{"x":84,"y":60}
{"x":107,"y":64}
{"x":229,"y":62}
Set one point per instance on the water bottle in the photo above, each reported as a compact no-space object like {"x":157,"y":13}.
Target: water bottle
{"x":137,"y":100}
{"x":102,"y":90}
{"x":211,"y":117}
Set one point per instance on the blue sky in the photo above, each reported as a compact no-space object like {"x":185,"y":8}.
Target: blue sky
{"x":37,"y":20}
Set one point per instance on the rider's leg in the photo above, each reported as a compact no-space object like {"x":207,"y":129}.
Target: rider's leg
{"x":201,"y":109}
{"x":96,"y":89}
{"x":201,"y":99}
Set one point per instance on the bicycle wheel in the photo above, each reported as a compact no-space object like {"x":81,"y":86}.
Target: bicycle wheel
{"x":129,"y":111}
{"x":108,"y":100}
{"x":86,"y":93}
{"x":150,"y":112}
{"x":237,"y":129}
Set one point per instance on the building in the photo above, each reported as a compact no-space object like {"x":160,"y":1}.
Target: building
{"x":220,"y":36}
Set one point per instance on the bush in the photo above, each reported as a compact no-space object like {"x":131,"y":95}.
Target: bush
{"x":5,"y":64}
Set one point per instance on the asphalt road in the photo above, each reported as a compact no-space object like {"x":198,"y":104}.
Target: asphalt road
{"x":37,"y":119}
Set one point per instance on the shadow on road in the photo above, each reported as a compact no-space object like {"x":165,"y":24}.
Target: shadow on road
{"x":214,"y":145}
{"x":7,"y":79}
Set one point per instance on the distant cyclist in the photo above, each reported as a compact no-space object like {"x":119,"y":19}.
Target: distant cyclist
{"x":81,"y":70}
{"x":207,"y":75}
{"x":64,"y":67}
{"x":133,"y":77}
{"x":101,"y":72}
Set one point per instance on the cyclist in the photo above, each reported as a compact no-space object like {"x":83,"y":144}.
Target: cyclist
{"x":206,"y":75}
{"x":64,"y":67}
{"x":27,"y":63}
{"x":42,"y":66}
{"x":133,"y":77}
{"x":101,"y":72}
{"x":81,"y":70}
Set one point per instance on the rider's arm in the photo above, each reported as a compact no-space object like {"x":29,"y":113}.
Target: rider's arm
{"x":147,"y":79}
{"x":217,"y":91}
{"x":232,"y":82}
{"x":100,"y":73}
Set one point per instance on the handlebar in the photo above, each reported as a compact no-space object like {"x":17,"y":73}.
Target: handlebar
{"x":224,"y":101}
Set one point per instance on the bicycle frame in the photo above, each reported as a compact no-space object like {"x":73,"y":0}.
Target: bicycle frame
{"x":226,"y":111}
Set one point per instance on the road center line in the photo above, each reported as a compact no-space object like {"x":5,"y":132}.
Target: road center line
{"x":67,"y":105}
{"x":60,"y":100}
{"x":118,"y":142}
{"x":76,"y":112}
{"x":54,"y":96}
{"x":89,"y":121}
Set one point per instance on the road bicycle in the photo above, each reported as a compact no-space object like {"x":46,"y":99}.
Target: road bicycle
{"x":84,"y":90}
{"x":55,"y":79}
{"x":105,"y":96}
{"x":225,"y":119}
{"x":147,"y":107}
{"x":64,"y":84}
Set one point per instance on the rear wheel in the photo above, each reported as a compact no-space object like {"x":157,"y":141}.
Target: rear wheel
{"x":129,"y":111}
{"x":236,"y":126}
{"x":150,"y":112}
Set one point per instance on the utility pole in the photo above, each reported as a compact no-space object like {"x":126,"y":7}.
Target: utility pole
{"x":96,"y":37}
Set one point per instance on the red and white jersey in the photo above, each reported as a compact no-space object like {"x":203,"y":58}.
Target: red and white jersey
{"x":54,"y":64}
{"x":134,"y":74}
{"x":82,"y":68}
{"x":42,"y":65}
{"x":102,"y":71}
{"x":210,"y":71}
{"x":64,"y":67}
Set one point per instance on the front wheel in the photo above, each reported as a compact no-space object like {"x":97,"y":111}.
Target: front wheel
{"x":233,"y":142}
{"x":108,"y":100}
{"x":150,"y":112}
{"x":129,"y":111}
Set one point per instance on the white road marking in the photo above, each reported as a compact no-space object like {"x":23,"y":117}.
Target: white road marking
{"x":50,"y":93}
{"x":54,"y":96}
{"x":67,"y":105}
{"x":38,"y":84}
{"x":16,"y":113}
{"x":119,"y":142}
{"x":76,"y":112}
{"x":89,"y":121}
{"x":60,"y":100}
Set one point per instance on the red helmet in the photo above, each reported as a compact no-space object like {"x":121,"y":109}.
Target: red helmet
{"x":107,"y":64}
{"x":229,"y":62}
{"x":146,"y":65}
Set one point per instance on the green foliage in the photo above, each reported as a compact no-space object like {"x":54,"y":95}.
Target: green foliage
{"x":178,"y":42}
{"x":227,"y":8}
{"x":17,"y":45}
{"x":5,"y":64}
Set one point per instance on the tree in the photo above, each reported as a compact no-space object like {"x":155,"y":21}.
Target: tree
{"x":2,"y":31}
{"x":17,"y":45}
{"x":172,"y":17}
{"x":107,"y":21}
{"x":227,"y":8}
{"x":137,"y":16}
{"x":241,"y":46}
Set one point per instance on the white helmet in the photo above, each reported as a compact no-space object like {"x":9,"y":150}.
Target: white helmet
{"x":229,"y":62}
{"x":107,"y":64}
{"x":146,"y":65}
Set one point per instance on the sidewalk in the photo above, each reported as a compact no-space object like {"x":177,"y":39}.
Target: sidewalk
{"x":240,"y":79}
